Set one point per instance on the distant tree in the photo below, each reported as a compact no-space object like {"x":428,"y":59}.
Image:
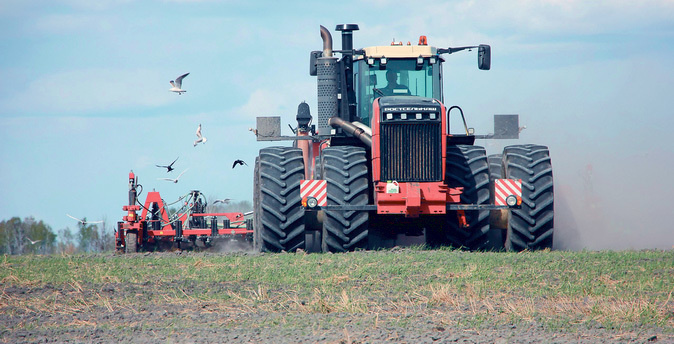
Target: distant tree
{"x":95,"y":238}
{"x":27,"y":236}
{"x":106,"y":238}
{"x":66,"y":243}
{"x":88,"y":236}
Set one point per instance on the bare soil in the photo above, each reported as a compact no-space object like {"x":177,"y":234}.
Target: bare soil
{"x":185,"y":319}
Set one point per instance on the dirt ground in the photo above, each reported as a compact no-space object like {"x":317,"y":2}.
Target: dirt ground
{"x":187,"y":320}
{"x":203,"y":323}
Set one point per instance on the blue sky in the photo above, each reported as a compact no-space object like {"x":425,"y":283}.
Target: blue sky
{"x":85,"y":98}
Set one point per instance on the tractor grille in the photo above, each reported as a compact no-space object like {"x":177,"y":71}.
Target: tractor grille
{"x":411,"y":152}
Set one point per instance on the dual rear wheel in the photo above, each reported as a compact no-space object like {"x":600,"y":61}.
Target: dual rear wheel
{"x":531,"y":227}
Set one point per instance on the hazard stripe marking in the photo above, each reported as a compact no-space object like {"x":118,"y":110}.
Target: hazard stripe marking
{"x":317,"y":189}
{"x":506,"y":187}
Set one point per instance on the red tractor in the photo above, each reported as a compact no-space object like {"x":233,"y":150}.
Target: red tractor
{"x":381,"y":164}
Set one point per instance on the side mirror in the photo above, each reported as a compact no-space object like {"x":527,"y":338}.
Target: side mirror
{"x":484,"y":57}
{"x":312,"y":61}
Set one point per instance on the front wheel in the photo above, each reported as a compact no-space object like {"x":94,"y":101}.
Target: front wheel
{"x":279,"y":211}
{"x":345,"y":168}
{"x":467,"y":167}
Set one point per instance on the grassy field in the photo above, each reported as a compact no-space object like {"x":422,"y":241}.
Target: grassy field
{"x":558,"y":290}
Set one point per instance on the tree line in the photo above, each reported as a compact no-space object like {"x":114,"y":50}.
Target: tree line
{"x":30,"y":236}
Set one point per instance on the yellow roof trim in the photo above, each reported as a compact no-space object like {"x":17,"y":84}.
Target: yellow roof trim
{"x":393,"y":51}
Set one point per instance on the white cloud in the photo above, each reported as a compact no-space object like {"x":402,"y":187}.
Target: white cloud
{"x":63,"y":24}
{"x":89,"y":90}
{"x":281,"y":102}
{"x":565,"y":16}
{"x":262,"y":102}
{"x":98,"y":5}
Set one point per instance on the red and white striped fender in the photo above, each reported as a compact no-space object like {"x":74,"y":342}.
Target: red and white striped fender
{"x":316,"y":189}
{"x":506,"y":187}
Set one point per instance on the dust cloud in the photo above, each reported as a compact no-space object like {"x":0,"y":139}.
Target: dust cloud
{"x":231,"y":245}
{"x":609,"y":194}
{"x":614,"y":200}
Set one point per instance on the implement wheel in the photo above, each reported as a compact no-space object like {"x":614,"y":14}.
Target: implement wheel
{"x":467,"y":167}
{"x":279,"y":215}
{"x":531,"y":227}
{"x":131,"y":245}
{"x":345,"y":168}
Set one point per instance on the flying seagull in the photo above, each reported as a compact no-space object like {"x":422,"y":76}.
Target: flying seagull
{"x":177,"y":84}
{"x":169,"y":168}
{"x":239,"y":162}
{"x":173,"y":180}
{"x":225,"y":201}
{"x":83,"y":221}
{"x":33,"y":242}
{"x":201,"y":139}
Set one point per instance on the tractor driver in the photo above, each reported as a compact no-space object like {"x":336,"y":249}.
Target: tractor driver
{"x":393,"y":88}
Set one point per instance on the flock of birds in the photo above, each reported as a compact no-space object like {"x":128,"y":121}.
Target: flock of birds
{"x":176,"y":86}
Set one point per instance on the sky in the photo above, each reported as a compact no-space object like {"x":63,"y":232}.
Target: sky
{"x":84,"y":98}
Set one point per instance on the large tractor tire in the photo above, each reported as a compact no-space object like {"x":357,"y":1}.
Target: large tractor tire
{"x":279,"y":213}
{"x":467,"y":167}
{"x":345,"y":168}
{"x":531,"y":227}
{"x":131,"y":244}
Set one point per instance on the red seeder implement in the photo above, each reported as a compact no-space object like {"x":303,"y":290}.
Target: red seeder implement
{"x":156,"y":228}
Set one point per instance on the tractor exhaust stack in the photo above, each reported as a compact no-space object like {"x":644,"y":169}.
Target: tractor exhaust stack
{"x":327,"y":42}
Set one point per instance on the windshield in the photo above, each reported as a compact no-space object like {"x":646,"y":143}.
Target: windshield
{"x":398,"y":77}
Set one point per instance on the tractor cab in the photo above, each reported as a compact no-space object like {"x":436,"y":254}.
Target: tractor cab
{"x":395,"y":70}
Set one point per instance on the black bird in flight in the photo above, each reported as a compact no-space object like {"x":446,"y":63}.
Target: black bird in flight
{"x":239,"y":162}
{"x":169,"y":168}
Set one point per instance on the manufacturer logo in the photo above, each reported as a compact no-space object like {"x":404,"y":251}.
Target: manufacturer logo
{"x":409,"y":109}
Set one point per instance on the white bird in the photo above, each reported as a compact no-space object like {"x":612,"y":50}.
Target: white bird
{"x":177,"y":84}
{"x":225,"y":201}
{"x":33,"y":242}
{"x":201,"y":139}
{"x":174,"y":180}
{"x":83,"y":221}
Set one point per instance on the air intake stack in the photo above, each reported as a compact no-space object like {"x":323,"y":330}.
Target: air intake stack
{"x":348,"y":108}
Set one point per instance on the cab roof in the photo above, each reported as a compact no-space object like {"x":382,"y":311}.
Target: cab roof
{"x":399,"y":51}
